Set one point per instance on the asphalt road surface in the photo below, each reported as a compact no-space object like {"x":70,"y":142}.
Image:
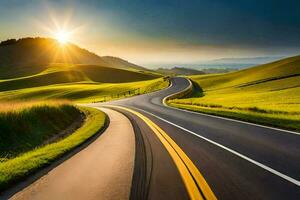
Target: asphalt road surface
{"x":238,"y":160}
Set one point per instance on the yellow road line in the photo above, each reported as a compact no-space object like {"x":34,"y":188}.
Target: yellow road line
{"x":194,"y":182}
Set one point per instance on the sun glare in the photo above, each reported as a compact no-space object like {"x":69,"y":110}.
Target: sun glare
{"x":62,"y":37}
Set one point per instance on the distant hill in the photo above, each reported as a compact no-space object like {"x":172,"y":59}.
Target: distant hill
{"x":252,"y":60}
{"x":120,"y":63}
{"x":227,"y":64}
{"x":218,"y":70}
{"x":238,"y":63}
{"x":29,"y":56}
{"x":179,"y":71}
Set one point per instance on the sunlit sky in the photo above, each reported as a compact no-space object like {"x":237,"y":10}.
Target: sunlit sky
{"x":156,"y":32}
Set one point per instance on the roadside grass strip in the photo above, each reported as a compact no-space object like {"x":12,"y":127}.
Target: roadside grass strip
{"x":16,"y":169}
{"x":195,"y":183}
{"x":285,"y":116}
{"x":281,"y":122}
{"x":26,"y":125}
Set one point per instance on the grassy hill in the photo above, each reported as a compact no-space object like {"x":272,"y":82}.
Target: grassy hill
{"x":282,"y":69}
{"x":84,"y":92}
{"x":29,"y":56}
{"x":268,"y":94}
{"x":39,"y":68}
{"x":81,"y":83}
{"x":63,"y":73}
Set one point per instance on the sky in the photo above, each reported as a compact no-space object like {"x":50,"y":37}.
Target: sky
{"x":159,"y":32}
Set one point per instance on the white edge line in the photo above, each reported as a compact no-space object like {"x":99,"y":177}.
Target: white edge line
{"x":269,"y":169}
{"x":224,"y":118}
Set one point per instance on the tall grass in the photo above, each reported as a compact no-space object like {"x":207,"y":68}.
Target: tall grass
{"x":27,"y":125}
{"x":18,"y":106}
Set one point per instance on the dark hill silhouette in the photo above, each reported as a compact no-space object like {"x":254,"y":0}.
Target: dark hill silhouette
{"x":28,"y":56}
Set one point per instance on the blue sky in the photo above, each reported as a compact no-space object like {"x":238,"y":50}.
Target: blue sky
{"x":158,"y":32}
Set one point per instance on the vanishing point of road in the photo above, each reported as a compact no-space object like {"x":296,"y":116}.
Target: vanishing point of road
{"x":179,"y":154}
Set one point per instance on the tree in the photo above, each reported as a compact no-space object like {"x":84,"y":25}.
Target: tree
{"x":8,"y":42}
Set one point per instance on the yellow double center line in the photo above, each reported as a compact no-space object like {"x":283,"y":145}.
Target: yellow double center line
{"x":194,"y":182}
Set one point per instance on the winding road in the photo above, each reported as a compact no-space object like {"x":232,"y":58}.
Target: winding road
{"x":177,"y":154}
{"x":238,"y":160}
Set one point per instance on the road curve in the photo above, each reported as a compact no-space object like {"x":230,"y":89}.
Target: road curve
{"x":238,"y":160}
{"x":168,"y":153}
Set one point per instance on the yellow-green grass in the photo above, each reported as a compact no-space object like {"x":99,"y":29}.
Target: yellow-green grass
{"x":24,"y":126}
{"x":17,"y":168}
{"x":81,"y":83}
{"x":267,"y":94}
{"x":66,"y":73}
{"x":83,"y":92}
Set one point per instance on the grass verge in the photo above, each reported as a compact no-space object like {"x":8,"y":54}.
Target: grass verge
{"x":16,"y":169}
{"x":290,"y":122}
{"x":27,"y":125}
{"x":237,"y":106}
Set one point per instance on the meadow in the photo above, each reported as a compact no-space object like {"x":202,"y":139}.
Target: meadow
{"x":80,"y":83}
{"x":83,"y":92}
{"x":267,"y":94}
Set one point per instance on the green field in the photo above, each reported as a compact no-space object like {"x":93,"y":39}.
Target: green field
{"x":15,"y":169}
{"x":267,"y":94}
{"x":79,"y":83}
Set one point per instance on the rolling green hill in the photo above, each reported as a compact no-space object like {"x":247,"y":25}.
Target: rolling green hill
{"x":29,"y":56}
{"x":40,"y":68}
{"x":63,"y":73}
{"x":268,"y":94}
{"x":81,"y":83}
{"x":279,"y":70}
{"x":84,"y":92}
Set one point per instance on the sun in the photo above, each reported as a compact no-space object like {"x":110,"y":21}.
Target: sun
{"x":62,"y":36}
{"x":61,"y":29}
